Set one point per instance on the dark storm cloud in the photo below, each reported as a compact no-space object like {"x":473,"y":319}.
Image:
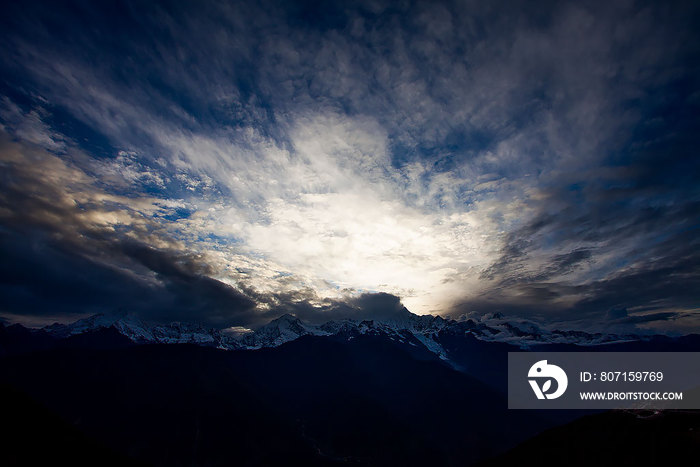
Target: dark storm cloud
{"x":648,"y":318}
{"x":40,"y":278}
{"x":58,"y":258}
{"x":650,"y":227}
{"x":670,"y":280}
{"x":191,"y":294}
{"x":307,"y":306}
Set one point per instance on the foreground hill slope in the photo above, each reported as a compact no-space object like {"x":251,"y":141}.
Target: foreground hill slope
{"x":314,"y":401}
{"x":613,"y":439}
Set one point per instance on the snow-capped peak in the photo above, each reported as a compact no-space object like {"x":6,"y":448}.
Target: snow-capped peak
{"x":404,"y":326}
{"x":129,"y":325}
{"x":122,"y":321}
{"x":280,"y":330}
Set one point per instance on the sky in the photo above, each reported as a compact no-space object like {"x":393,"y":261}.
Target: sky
{"x":228,"y":162}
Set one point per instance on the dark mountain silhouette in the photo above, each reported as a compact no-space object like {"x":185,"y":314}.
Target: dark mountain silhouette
{"x":17,"y":339}
{"x":615,"y":438}
{"x":346,"y":398}
{"x":34,"y":435}
{"x":314,"y":401}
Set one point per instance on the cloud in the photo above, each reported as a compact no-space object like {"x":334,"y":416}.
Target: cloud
{"x":64,"y":260}
{"x":29,"y":126}
{"x":307,"y":306}
{"x":458,"y":155}
{"x":617,"y":313}
{"x":68,"y":246}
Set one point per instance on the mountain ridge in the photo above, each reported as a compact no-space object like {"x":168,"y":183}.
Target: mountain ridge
{"x":420,"y":331}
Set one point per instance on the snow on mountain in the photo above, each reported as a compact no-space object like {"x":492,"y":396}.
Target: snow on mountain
{"x":126,"y":324}
{"x":286,"y":328}
{"x":525,"y":333}
{"x":141,"y":333}
{"x":405,"y":327}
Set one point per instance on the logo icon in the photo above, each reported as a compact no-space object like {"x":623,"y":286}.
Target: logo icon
{"x":545,"y":373}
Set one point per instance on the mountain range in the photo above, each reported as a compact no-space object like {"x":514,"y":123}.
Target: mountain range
{"x":409,"y":391}
{"x":427,"y":335}
{"x":406,"y":325}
